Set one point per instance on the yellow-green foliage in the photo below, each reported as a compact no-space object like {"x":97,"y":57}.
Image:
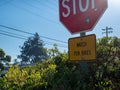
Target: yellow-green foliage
{"x":29,"y":77}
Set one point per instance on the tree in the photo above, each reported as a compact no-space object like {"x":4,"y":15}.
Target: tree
{"x":53,"y":51}
{"x":32,"y":50}
{"x":106,"y":71}
{"x":59,"y":73}
{"x":4,"y":59}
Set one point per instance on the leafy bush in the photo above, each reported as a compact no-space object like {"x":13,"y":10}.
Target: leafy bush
{"x":28,"y":78}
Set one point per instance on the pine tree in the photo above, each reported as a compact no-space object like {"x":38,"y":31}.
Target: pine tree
{"x":32,"y":50}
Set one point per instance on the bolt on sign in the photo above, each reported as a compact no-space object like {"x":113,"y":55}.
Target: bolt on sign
{"x":82,"y":48}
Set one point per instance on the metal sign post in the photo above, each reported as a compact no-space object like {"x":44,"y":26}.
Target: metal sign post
{"x":84,"y":67}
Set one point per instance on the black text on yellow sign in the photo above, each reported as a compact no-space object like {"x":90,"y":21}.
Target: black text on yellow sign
{"x":82,"y":48}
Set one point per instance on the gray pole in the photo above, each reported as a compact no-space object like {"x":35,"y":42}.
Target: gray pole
{"x":107,"y":31}
{"x":83,"y":63}
{"x":82,"y":34}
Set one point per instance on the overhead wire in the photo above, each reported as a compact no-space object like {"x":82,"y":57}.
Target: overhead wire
{"x":115,"y":33}
{"x":45,"y":5}
{"x":55,"y":4}
{"x":13,"y":33}
{"x":19,"y":37}
{"x":33,"y":13}
{"x":24,"y":9}
{"x":51,"y":43}
{"x":11,"y":28}
{"x":31,"y":5}
{"x":12,"y":36}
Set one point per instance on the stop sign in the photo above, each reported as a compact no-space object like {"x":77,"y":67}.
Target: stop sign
{"x":81,"y":15}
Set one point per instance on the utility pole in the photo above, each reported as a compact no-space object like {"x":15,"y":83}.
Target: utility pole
{"x":107,"y":31}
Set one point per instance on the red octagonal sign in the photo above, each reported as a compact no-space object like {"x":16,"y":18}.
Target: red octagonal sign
{"x":81,"y":15}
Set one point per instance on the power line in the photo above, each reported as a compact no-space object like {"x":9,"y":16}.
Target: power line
{"x":12,"y":36}
{"x":53,"y":3}
{"x":42,"y":18}
{"x":51,"y":43}
{"x":36,"y":14}
{"x":6,"y":33}
{"x":11,"y":28}
{"x":54,"y":39}
{"x":57,"y":45}
{"x":45,"y":5}
{"x":31,"y":5}
{"x":13,"y":33}
{"x":117,"y":34}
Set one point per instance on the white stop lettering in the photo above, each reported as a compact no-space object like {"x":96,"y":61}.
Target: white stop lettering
{"x":81,"y":8}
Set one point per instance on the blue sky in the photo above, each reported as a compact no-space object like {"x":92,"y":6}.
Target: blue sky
{"x":42,"y":16}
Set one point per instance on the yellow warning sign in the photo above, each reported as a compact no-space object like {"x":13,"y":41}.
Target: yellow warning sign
{"x":82,"y":48}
